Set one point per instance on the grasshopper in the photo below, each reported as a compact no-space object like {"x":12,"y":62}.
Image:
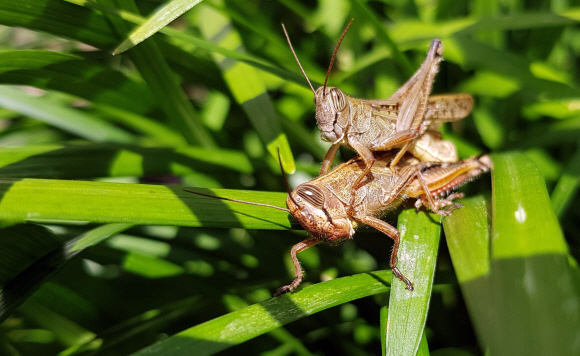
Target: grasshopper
{"x":407,"y":120}
{"x":322,"y":206}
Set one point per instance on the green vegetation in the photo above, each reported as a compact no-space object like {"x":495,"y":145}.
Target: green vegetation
{"x":102,"y":253}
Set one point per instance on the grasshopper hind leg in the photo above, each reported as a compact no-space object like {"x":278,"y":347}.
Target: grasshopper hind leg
{"x":394,"y":234}
{"x":299,"y":247}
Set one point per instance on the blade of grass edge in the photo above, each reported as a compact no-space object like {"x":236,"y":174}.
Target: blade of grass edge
{"x":420,"y":232}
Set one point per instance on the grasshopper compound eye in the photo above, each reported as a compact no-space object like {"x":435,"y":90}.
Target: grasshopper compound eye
{"x":338,"y":99}
{"x":310,"y":194}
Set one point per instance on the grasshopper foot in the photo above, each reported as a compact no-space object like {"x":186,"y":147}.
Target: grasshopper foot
{"x":283,"y":290}
{"x":441,"y":203}
{"x":289,"y":288}
{"x":399,"y":275}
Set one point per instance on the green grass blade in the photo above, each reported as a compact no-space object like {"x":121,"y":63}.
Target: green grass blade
{"x":399,"y":57}
{"x":91,"y":27}
{"x":285,"y":337}
{"x":21,"y":246}
{"x":71,"y":74}
{"x":81,"y":23}
{"x":110,"y":160}
{"x":467,"y":232}
{"x":59,"y":115}
{"x":519,"y":228}
{"x":567,"y":186}
{"x":96,"y":235}
{"x":242,"y":325}
{"x":518,"y":21}
{"x":43,"y":199}
{"x":155,"y":22}
{"x":151,"y":64}
{"x":472,"y":54}
{"x":247,"y":87}
{"x":518,"y":301}
{"x":147,"y":126}
{"x":31,"y":254}
{"x":407,"y":315}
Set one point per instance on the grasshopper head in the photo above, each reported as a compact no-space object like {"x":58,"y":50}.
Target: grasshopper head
{"x":330,"y":103}
{"x":323,"y":218}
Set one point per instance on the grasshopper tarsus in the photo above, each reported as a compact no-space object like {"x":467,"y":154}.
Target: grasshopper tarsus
{"x":399,"y":275}
{"x":283,"y":290}
{"x":299,"y":247}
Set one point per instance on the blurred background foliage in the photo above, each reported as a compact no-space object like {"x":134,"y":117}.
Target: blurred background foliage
{"x":204,"y":104}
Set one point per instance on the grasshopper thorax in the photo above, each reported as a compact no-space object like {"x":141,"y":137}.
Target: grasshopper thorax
{"x":322,"y":215}
{"x":330,"y":105}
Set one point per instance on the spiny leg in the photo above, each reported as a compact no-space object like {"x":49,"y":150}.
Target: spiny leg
{"x":299,"y":247}
{"x":393,"y":234}
{"x":428,"y":195}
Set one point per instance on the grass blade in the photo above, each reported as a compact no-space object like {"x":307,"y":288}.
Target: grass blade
{"x":420,"y":233}
{"x":242,"y":325}
{"x":43,"y":199}
{"x":155,"y":22}
{"x":567,"y":186}
{"x":247,"y":87}
{"x":57,"y":114}
{"x":151,"y":64}
{"x":31,"y":254}
{"x":518,"y":300}
{"x":110,"y":160}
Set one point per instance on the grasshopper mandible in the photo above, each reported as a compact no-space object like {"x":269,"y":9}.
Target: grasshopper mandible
{"x":323,"y":208}
{"x":407,"y":120}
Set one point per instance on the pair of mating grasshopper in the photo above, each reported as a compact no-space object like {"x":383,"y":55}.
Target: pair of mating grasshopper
{"x":401,"y":156}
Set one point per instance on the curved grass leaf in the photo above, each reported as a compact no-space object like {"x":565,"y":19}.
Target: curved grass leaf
{"x":43,"y":199}
{"x":517,"y":300}
{"x":59,"y":115}
{"x":242,"y":325}
{"x":109,"y":160}
{"x":407,"y":315}
{"x":155,"y":22}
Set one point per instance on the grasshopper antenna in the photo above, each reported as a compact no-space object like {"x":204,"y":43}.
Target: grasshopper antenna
{"x":284,"y":177}
{"x":334,"y":55}
{"x":238,"y":201}
{"x":296,"y":57}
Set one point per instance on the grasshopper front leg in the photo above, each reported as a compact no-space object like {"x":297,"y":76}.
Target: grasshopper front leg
{"x":367,"y":155}
{"x":299,"y":247}
{"x":329,"y":158}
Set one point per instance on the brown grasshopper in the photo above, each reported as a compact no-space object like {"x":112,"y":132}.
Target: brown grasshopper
{"x":322,"y":206}
{"x":408,"y":120}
